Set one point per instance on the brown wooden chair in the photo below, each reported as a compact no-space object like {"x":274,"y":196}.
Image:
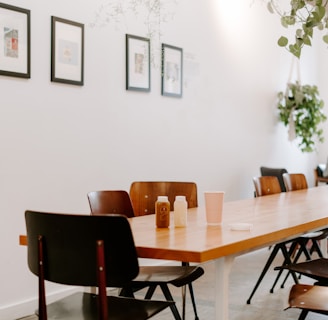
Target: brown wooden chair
{"x":144,"y":194}
{"x":118,"y":201}
{"x":110,"y":201}
{"x":308,"y":298}
{"x":318,"y":175}
{"x":83,"y":250}
{"x":265,"y":186}
{"x":294,"y":182}
{"x":275,"y":172}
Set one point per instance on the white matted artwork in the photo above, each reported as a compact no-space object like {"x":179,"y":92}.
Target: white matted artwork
{"x":172,"y":71}
{"x":14,"y":41}
{"x":137,"y":63}
{"x":67,"y":51}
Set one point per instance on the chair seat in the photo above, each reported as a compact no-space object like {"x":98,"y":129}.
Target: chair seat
{"x":315,"y":269}
{"x":84,"y":306}
{"x":311,"y":298}
{"x":175,"y":275}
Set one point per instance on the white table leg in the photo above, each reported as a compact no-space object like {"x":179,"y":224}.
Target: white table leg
{"x":222,"y":272}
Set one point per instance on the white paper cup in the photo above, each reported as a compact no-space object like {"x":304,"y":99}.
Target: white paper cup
{"x":214,"y":206}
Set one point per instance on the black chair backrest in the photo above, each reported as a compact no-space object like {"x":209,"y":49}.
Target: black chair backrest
{"x":110,"y":201}
{"x":70,"y":243}
{"x":277,"y":172}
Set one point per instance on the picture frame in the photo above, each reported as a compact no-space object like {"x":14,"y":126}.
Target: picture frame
{"x":15,"y":41}
{"x":137,"y":63}
{"x":67,"y":51}
{"x":172,"y":70}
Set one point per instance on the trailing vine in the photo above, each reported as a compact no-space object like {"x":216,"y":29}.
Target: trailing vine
{"x":301,"y":109}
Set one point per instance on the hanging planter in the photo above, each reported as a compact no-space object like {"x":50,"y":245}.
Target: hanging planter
{"x":301,"y":109}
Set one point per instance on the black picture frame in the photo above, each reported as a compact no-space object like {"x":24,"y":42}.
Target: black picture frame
{"x":137,"y":63}
{"x":172,"y":70}
{"x":67,"y":51}
{"x":15,"y":44}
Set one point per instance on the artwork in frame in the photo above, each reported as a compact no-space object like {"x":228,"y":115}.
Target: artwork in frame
{"x":15,"y":41}
{"x":172,"y":70}
{"x":67,"y":51}
{"x":137,"y":63}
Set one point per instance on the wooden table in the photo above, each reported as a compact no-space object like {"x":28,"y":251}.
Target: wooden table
{"x":274,"y":218}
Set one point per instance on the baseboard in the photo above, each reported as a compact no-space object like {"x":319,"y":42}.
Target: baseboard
{"x":28,"y":307}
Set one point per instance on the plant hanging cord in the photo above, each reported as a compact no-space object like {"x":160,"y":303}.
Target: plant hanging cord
{"x":291,"y":127}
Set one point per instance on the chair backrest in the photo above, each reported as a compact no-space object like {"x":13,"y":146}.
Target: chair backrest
{"x":266,"y":185}
{"x":70,"y":248}
{"x":144,"y":194}
{"x":110,"y":201}
{"x":295,"y":181}
{"x":277,"y":172}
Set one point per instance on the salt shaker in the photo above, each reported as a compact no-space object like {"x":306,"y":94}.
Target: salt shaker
{"x":180,"y":211}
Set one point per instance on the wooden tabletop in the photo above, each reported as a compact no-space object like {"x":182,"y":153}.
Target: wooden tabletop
{"x":274,"y":218}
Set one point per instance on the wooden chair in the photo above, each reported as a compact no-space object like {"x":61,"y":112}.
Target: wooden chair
{"x":118,"y":201}
{"x":84,"y":250}
{"x":264,"y":186}
{"x":144,"y":194}
{"x":275,"y":172}
{"x":308,"y":298}
{"x":110,"y":201}
{"x":318,"y":177}
{"x":294,"y":182}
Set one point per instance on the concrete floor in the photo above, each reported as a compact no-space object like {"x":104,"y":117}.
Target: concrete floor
{"x":244,"y":273}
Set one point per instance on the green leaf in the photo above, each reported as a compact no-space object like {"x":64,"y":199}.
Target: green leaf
{"x":282,"y":41}
{"x":325,"y":38}
{"x":307,"y":41}
{"x":270,"y":8}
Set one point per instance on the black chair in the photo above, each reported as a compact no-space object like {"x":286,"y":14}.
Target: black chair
{"x":294,"y":182}
{"x":151,"y":277}
{"x":265,"y":186}
{"x":84,"y":250}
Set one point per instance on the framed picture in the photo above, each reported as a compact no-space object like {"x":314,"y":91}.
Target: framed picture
{"x":172,"y":72}
{"x":15,"y":51}
{"x":67,"y":51}
{"x":137,"y":63}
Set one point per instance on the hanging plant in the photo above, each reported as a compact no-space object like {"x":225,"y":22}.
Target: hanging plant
{"x":306,"y":16}
{"x":301,"y":109}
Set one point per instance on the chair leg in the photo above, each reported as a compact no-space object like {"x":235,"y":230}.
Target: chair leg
{"x":316,"y":247}
{"x":183,"y":291}
{"x":290,"y":253}
{"x":150,"y":292}
{"x":168,"y":297}
{"x":276,"y":248}
{"x":302,"y":249}
{"x":303,"y":314}
{"x":264,"y":271}
{"x":192,"y":296}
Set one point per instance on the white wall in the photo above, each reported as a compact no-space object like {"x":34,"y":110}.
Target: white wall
{"x":59,"y":141}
